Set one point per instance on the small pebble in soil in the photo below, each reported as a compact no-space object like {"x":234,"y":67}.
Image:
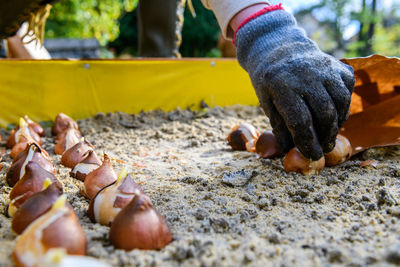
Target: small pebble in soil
{"x":237,"y":178}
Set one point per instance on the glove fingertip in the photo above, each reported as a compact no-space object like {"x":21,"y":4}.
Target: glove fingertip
{"x":311,"y":152}
{"x":328,"y":147}
{"x":349,"y":80}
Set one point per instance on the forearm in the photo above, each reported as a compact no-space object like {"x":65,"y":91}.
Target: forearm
{"x":231,"y":11}
{"x":240,"y":17}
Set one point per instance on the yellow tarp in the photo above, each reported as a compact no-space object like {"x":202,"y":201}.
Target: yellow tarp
{"x":42,"y":89}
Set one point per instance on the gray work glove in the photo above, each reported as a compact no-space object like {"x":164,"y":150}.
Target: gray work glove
{"x":305,"y":93}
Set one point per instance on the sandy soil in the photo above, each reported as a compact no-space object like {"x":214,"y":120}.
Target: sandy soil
{"x":229,"y":208}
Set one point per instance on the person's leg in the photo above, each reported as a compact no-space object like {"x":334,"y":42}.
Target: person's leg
{"x":160,"y":25}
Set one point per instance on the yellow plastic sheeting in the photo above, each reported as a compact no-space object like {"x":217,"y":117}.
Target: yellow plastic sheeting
{"x":42,"y":89}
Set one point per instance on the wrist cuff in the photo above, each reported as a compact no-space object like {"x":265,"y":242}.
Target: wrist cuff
{"x":255,"y":15}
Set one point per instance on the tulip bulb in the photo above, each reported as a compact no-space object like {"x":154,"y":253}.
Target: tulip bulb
{"x":295,"y":162}
{"x":23,"y":134}
{"x":267,"y":146}
{"x":66,"y":140}
{"x":22,"y":137}
{"x":57,"y":228}
{"x":35,"y":206}
{"x":31,"y":153}
{"x":37,"y":147}
{"x":99,"y":178}
{"x":29,"y":184}
{"x":62,"y":123}
{"x":340,"y":153}
{"x":111,"y":199}
{"x":20,"y":147}
{"x":243,"y":137}
{"x":89,"y":164}
{"x":76,"y":153}
{"x":36,"y":127}
{"x":139,"y":226}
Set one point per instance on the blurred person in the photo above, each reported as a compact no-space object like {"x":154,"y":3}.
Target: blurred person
{"x":305,"y":93}
{"x":22,"y":26}
{"x":14,"y":13}
{"x":20,"y":46}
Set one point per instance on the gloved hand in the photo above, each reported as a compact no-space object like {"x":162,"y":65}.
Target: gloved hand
{"x":305,"y":93}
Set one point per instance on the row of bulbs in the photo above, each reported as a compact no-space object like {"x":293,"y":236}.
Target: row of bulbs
{"x":48,"y":228}
{"x":246,"y":137}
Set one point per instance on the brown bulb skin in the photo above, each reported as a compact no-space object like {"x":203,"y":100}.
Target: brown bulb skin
{"x":11,"y":139}
{"x":35,"y":206}
{"x":63,"y":122}
{"x":66,"y":232}
{"x":19,"y":148}
{"x":26,"y":134}
{"x":76,"y":154}
{"x":57,"y":228}
{"x":139,"y":226}
{"x":99,"y":178}
{"x":267,"y":146}
{"x":37,"y":147}
{"x":31,"y":153}
{"x":243,"y":137}
{"x":111,"y":199}
{"x":30,"y":183}
{"x":295,"y":162}
{"x":66,"y":140}
{"x":86,"y":166}
{"x":21,"y":138}
{"x":340,"y":153}
{"x":236,"y":141}
{"x":36,"y":127}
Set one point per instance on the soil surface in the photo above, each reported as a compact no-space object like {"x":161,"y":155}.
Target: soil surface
{"x":229,"y":208}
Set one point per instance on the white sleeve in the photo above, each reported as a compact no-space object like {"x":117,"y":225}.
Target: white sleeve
{"x":225,"y":10}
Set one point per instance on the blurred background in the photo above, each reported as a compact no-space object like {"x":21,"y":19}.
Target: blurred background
{"x":109,"y":28}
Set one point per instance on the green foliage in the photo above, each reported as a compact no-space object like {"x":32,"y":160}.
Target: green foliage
{"x":109,"y":22}
{"x":379,"y":29}
{"x":127,"y":41}
{"x":336,"y":17}
{"x":387,"y":41}
{"x":200,"y":34}
{"x":379,"y":32}
{"x":87,"y":19}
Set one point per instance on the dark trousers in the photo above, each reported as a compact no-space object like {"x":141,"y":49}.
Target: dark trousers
{"x":160,"y":23}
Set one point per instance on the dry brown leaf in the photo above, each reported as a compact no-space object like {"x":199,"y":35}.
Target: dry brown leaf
{"x":375,"y":119}
{"x":377,"y":80}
